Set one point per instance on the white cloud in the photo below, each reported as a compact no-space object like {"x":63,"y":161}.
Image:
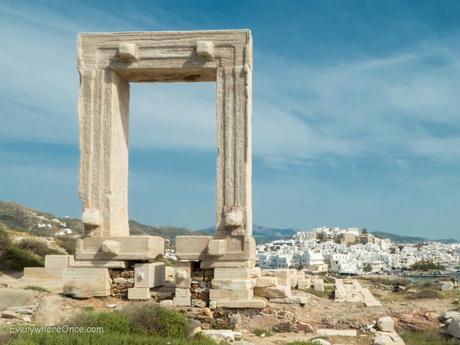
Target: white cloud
{"x":301,"y":111}
{"x":371,"y":105}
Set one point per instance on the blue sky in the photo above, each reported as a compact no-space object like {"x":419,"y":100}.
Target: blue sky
{"x":356,"y":113}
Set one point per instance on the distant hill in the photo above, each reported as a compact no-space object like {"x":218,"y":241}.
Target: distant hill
{"x":43,"y":224}
{"x":168,"y":232}
{"x":409,"y":239}
{"x":38,"y":223}
{"x":263,"y":234}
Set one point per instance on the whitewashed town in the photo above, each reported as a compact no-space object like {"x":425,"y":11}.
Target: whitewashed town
{"x":352,"y":251}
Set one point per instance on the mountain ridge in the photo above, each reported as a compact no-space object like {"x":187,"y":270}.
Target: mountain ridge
{"x":410,"y":239}
{"x":24,"y":218}
{"x":263,"y":234}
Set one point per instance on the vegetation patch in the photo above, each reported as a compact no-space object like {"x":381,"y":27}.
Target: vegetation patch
{"x":427,"y":338}
{"x":426,"y":266}
{"x":260,"y":332}
{"x":13,"y":258}
{"x":37,"y":247}
{"x":36,"y":288}
{"x":145,"y":318}
{"x":137,"y":324}
{"x":424,"y":294}
{"x":68,"y":243}
{"x":389,"y":281}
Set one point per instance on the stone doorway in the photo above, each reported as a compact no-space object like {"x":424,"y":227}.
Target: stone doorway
{"x":107,"y":63}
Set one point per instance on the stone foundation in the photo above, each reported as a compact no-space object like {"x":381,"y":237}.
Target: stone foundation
{"x":216,"y":272}
{"x":121,"y":282}
{"x":85,"y":279}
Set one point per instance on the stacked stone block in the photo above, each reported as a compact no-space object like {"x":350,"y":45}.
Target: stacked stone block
{"x":275,"y":284}
{"x":182,"y":275}
{"x":96,"y":278}
{"x":121,"y":282}
{"x":226,"y":271}
{"x":201,"y":285}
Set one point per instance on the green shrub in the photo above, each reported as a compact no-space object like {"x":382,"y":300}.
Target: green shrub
{"x":36,"y":288}
{"x":69,"y":244}
{"x":301,"y":342}
{"x":428,"y":284}
{"x":114,"y":322}
{"x":391,"y":281}
{"x":138,"y":324}
{"x":147,"y":318}
{"x":200,"y":339}
{"x":426,"y":265}
{"x":367,"y":268}
{"x":14,"y":258}
{"x":104,"y":339}
{"x":260,"y":332}
{"x":36,"y":247}
{"x":427,"y":338}
{"x":137,"y":318}
{"x":424,"y":294}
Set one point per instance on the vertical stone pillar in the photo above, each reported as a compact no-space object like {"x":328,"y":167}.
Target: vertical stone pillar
{"x":234,"y":152}
{"x":103,"y":113}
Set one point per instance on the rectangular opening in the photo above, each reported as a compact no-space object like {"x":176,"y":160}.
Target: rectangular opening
{"x":172,"y":154}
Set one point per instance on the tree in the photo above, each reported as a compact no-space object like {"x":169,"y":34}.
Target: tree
{"x":426,"y":265}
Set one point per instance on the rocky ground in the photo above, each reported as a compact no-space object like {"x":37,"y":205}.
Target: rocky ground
{"x":275,"y":324}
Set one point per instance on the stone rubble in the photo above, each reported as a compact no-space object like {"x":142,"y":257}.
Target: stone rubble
{"x":121,"y":282}
{"x":417,"y":322}
{"x":320,"y":342}
{"x":318,"y":285}
{"x":387,"y":338}
{"x":222,"y":334}
{"x":454,"y":328}
{"x":452,"y":318}
{"x":447,"y":286}
{"x":386,"y":324}
{"x":351,"y":291}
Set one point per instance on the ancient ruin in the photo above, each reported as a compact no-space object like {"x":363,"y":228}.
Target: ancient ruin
{"x":107,"y":63}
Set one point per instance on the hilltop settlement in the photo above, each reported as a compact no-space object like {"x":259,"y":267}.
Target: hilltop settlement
{"x":351,"y":251}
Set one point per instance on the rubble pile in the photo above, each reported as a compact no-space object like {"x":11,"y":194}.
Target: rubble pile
{"x":121,"y":282}
{"x":200,"y":285}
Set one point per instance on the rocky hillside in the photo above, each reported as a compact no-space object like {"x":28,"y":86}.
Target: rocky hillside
{"x":21,"y":218}
{"x":24,"y":219}
{"x":38,"y":223}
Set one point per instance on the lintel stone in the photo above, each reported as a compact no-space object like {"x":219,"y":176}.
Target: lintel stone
{"x":130,"y":248}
